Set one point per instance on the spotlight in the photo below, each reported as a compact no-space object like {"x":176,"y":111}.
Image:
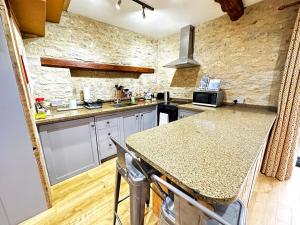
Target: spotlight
{"x":143,"y":13}
{"x":118,"y":4}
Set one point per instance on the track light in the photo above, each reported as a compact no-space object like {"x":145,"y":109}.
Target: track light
{"x":143,"y":12}
{"x":118,"y":4}
{"x":144,"y":6}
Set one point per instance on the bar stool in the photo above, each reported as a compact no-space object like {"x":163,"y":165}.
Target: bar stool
{"x":184,"y":210}
{"x":136,"y":175}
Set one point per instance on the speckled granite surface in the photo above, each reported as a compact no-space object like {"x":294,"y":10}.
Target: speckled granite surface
{"x":83,"y":113}
{"x":208,"y":154}
{"x":196,"y":108}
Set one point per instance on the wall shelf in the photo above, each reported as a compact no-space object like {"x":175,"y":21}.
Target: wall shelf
{"x":87,"y":65}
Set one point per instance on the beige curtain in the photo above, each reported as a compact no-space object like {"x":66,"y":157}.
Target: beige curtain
{"x":281,"y":149}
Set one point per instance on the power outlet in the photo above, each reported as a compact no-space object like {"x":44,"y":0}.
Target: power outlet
{"x":240,"y":99}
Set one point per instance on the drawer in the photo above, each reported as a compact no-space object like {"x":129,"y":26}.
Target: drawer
{"x":108,"y":122}
{"x":107,"y":149}
{"x":105,"y":134}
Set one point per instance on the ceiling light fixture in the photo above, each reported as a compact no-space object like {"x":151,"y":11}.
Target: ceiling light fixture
{"x":143,"y":12}
{"x":118,"y":4}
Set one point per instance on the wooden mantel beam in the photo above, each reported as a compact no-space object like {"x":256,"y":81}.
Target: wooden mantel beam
{"x":234,"y":8}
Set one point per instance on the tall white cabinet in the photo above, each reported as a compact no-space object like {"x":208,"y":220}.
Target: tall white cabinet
{"x":21,"y":191}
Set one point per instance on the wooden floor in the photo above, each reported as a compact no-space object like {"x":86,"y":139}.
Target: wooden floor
{"x":88,"y":199}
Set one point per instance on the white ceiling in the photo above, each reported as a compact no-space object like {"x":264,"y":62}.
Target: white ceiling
{"x":167,"y":18}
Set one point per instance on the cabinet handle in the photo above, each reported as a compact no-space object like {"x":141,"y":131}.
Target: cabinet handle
{"x":107,"y":122}
{"x":109,"y":145}
{"x":142,"y":115}
{"x":92,"y":125}
{"x":108,"y":134}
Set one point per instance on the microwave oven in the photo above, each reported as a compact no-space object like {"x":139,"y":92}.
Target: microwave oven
{"x":208,"y":98}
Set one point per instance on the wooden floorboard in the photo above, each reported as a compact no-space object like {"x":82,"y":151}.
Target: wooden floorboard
{"x":87,"y":199}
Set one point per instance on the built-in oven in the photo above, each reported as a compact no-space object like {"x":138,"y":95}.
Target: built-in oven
{"x":208,"y":98}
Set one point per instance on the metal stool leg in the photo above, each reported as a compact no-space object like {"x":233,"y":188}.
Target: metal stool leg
{"x":147,"y":194}
{"x":117,"y":193}
{"x":137,"y":201}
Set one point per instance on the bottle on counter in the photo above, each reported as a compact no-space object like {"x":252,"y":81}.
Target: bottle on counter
{"x":40,"y":108}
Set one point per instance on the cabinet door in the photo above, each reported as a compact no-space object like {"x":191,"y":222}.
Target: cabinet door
{"x":3,"y":216}
{"x":148,"y":120}
{"x":70,"y":148}
{"x":131,"y":124}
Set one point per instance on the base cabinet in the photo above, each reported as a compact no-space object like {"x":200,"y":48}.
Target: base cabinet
{"x":69,"y":147}
{"x":73,"y":147}
{"x":136,"y":121}
{"x":107,"y":127}
{"x":147,"y":119}
{"x":131,"y":124}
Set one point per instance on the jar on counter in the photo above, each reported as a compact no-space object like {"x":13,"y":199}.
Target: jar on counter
{"x":40,"y":107}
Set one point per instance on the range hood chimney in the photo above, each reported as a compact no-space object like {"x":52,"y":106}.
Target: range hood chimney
{"x":186,"y":60}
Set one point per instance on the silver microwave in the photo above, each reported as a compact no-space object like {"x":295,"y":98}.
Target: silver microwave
{"x":208,"y":98}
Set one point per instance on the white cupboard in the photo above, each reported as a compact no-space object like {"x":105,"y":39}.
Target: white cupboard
{"x":75,"y":146}
{"x":69,"y":148}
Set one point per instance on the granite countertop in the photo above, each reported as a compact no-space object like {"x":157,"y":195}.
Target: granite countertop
{"x":196,"y":108}
{"x":208,"y":154}
{"x":83,"y":113}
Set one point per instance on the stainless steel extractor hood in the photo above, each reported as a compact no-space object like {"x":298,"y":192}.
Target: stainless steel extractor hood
{"x":187,"y":35}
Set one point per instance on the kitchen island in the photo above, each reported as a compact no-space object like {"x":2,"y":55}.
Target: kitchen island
{"x":213,"y":155}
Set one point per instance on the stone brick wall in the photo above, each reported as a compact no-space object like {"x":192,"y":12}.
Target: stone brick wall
{"x":248,"y":55}
{"x":77,"y":37}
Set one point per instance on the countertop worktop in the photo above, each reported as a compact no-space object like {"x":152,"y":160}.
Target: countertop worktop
{"x":210,"y":153}
{"x":196,"y":108}
{"x":83,"y":113}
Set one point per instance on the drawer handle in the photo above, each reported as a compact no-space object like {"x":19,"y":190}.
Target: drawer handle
{"x":108,"y":134}
{"x":107,"y":122}
{"x":92,"y":125}
{"x":109,"y":145}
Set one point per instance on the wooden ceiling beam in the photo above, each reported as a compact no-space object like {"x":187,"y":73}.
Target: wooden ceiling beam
{"x":289,"y":5}
{"x":234,"y":8}
{"x":54,"y":10}
{"x":66,"y":5}
{"x":30,"y":15}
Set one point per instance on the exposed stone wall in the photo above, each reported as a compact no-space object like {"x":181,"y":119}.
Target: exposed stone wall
{"x":248,"y":55}
{"x":77,"y":37}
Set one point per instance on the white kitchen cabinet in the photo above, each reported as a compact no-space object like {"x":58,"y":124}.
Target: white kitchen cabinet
{"x":182,"y":113}
{"x":69,"y":147}
{"x":138,"y":120}
{"x":21,"y":191}
{"x":75,"y":146}
{"x":131,"y":124}
{"x":107,"y":126}
{"x":148,"y":119}
{"x":3,"y":217}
